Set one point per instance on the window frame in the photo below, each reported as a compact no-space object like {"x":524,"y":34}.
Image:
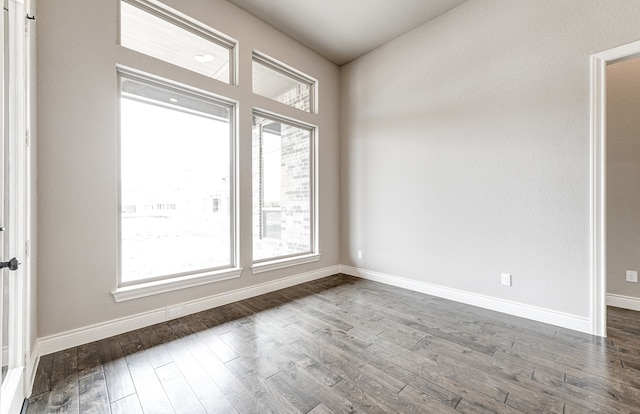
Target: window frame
{"x":133,"y":289}
{"x":279,"y":262}
{"x":186,"y":23}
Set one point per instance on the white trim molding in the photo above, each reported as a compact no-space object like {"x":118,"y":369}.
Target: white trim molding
{"x":282,"y":263}
{"x":141,"y":290}
{"x":32,"y":368}
{"x":622,"y":301}
{"x":598,"y":170}
{"x":565,"y":320}
{"x":75,"y":337}
{"x":597,"y":208}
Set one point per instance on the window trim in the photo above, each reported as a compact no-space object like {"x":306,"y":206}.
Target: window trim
{"x":164,"y":283}
{"x":184,"y":22}
{"x":279,"y":262}
{"x":284,"y":262}
{"x":294,"y":74}
{"x":141,"y":290}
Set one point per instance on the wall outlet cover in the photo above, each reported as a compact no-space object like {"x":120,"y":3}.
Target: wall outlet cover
{"x":505,"y":278}
{"x":632,"y":276}
{"x":175,"y":312}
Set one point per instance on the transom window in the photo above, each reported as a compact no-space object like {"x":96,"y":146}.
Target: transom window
{"x":149,"y":29}
{"x":282,"y":84}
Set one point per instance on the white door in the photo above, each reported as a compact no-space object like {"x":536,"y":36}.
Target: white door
{"x":13,"y":208}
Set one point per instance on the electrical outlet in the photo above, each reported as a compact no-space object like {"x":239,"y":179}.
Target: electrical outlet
{"x":632,"y":276}
{"x":505,"y":278}
{"x":175,"y":312}
{"x":359,"y":254}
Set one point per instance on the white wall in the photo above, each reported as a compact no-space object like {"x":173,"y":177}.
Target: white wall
{"x":465,"y":149}
{"x":623,"y":176}
{"x":77,"y":165}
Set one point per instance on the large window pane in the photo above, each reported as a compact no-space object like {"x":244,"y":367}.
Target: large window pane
{"x":282,"y":85}
{"x":282,"y":189}
{"x":154,"y":32}
{"x":176,"y":183}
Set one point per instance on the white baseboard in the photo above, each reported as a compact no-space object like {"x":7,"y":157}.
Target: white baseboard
{"x":58,"y":342}
{"x":625,"y":302}
{"x":565,"y":320}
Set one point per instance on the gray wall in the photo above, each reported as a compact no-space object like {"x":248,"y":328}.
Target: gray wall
{"x":623,"y":176}
{"x":78,"y":156}
{"x":465,"y":149}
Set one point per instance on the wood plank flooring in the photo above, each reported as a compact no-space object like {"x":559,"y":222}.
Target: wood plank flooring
{"x":346,"y":345}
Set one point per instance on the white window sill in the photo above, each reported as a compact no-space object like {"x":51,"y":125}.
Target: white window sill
{"x":156,"y":287}
{"x":282,"y":263}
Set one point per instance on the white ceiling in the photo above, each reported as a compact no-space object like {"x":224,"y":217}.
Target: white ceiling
{"x":342,"y":30}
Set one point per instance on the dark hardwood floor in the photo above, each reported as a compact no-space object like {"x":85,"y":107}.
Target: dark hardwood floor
{"x":345,"y":345}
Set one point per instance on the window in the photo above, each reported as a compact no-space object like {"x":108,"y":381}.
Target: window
{"x":283,"y":188}
{"x":282,"y":84}
{"x":153,"y":31}
{"x":177,"y":186}
{"x":284,"y":221}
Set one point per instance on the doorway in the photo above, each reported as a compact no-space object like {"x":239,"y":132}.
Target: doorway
{"x":623,"y":192}
{"x":598,"y":205}
{"x":14,"y":209}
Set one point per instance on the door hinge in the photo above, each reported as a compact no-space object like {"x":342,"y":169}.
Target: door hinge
{"x":27,"y":27}
{"x":27,"y":137}
{"x":27,"y":248}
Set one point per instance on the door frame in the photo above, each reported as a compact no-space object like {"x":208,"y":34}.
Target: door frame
{"x":598,"y":169}
{"x":15,"y":387}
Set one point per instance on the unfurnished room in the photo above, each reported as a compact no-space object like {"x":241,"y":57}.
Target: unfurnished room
{"x":312,"y":207}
